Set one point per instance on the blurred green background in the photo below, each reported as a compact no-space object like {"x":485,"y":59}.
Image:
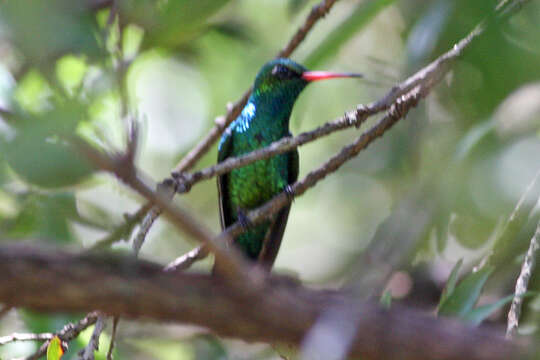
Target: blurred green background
{"x":435,"y":189}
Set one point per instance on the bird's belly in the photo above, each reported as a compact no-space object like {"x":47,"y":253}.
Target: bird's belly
{"x":254,"y":184}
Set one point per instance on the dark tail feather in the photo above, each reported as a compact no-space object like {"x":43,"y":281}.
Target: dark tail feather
{"x":273,"y":238}
{"x":271,"y":243}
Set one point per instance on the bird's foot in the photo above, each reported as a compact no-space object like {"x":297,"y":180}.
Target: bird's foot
{"x":289,"y":191}
{"x":243,"y":220}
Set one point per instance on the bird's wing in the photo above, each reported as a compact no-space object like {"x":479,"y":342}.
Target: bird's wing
{"x":225,"y":147}
{"x":272,"y":240}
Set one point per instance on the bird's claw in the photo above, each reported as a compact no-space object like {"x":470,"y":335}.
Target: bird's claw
{"x":289,"y":191}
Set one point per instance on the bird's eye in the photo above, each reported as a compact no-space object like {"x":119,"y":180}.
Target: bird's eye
{"x":282,"y":72}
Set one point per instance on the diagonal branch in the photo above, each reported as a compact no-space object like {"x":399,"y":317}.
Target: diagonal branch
{"x":522,"y":282}
{"x":237,"y":270}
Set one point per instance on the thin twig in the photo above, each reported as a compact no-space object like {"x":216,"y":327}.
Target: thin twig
{"x":521,"y":284}
{"x":69,"y":332}
{"x":93,"y":345}
{"x":185,"y":261}
{"x":236,"y":265}
{"x":354,"y":118}
{"x":513,"y":224}
{"x":166,"y":191}
{"x":25,"y":337}
{"x":132,"y":142}
{"x":123,"y":231}
{"x":113,"y":337}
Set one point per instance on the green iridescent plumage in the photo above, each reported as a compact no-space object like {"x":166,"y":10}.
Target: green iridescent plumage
{"x":264,"y":119}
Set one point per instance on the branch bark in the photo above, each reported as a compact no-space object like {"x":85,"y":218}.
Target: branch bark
{"x":522,"y":283}
{"x":284,"y":310}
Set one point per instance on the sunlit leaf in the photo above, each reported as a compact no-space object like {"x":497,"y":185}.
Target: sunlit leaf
{"x":466,"y":294}
{"x":55,"y":350}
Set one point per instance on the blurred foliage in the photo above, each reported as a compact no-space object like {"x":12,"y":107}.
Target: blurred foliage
{"x":436,"y":189}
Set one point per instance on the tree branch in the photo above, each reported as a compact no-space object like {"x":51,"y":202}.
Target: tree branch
{"x":185,"y":261}
{"x":236,"y":266}
{"x":284,"y":311}
{"x":69,"y":331}
{"x":93,"y":344}
{"x":25,"y":337}
{"x":521,"y":284}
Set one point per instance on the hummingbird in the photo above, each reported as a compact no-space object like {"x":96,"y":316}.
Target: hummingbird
{"x":263,"y":120}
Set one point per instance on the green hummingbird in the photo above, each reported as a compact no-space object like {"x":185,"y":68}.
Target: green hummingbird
{"x":264,"y":119}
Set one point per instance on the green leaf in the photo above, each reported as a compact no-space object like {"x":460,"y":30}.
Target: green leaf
{"x":477,"y":315}
{"x":294,"y":6}
{"x":473,"y":138}
{"x":38,"y":152}
{"x":360,"y":17}
{"x":466,"y":294}
{"x":43,"y":216}
{"x":49,"y":165}
{"x":44,"y":30}
{"x":386,"y":299}
{"x":55,"y":350}
{"x":170,"y":23}
{"x":451,"y":283}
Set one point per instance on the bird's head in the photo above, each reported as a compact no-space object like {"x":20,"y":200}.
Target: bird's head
{"x":286,"y":78}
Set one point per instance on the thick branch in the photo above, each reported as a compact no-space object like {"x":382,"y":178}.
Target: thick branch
{"x":282,"y":311}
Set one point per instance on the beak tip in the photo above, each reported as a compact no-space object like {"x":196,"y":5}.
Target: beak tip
{"x":323,"y":75}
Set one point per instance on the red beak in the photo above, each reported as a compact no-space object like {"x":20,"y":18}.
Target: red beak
{"x":323,"y":75}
